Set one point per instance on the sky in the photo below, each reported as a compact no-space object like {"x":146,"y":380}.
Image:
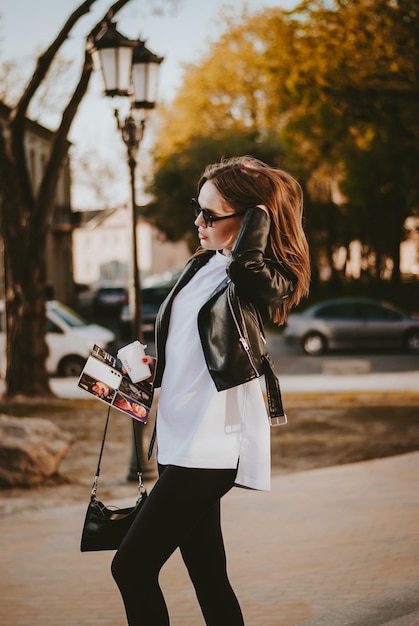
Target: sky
{"x":181,"y":32}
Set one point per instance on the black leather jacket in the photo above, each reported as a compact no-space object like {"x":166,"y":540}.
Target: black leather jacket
{"x":231,"y":321}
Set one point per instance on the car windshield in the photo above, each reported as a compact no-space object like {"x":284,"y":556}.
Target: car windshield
{"x":338,"y":310}
{"x":69,"y":316}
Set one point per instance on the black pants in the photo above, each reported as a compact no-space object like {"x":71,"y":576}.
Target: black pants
{"x":182,"y":510}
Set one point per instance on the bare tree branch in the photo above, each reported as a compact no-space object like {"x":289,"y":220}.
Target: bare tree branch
{"x":44,"y":206}
{"x":18,"y":113}
{"x":60,"y":145}
{"x":109,"y":15}
{"x":45,"y":60}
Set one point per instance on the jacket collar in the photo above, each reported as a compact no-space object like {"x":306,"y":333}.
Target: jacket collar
{"x":190,"y":270}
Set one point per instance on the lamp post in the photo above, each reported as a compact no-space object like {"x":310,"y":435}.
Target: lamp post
{"x":130,"y":70}
{"x":132,"y":134}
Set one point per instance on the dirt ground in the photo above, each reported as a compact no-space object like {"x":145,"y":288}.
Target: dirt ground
{"x":322,"y":430}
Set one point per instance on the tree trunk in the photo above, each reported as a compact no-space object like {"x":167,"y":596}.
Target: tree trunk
{"x":27,"y":349}
{"x":25,"y":284}
{"x":396,"y":276}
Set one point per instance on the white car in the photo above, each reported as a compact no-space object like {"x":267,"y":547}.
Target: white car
{"x":70,"y":339}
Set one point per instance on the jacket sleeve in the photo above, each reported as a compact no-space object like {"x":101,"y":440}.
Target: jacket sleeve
{"x":256,"y":274}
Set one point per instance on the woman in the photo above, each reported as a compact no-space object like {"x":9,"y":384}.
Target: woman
{"x":212,"y":425}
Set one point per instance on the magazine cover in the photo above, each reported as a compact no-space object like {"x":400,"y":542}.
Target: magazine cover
{"x":104,"y":377}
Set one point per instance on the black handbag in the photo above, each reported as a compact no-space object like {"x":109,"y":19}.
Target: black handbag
{"x":105,"y":527}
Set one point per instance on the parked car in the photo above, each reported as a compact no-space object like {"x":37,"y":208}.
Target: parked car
{"x":110,"y":300}
{"x":352,"y":323}
{"x":70,"y":339}
{"x":152,"y":296}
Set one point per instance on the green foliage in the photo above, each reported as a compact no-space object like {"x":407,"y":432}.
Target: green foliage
{"x":232,"y":88}
{"x":359,"y":108}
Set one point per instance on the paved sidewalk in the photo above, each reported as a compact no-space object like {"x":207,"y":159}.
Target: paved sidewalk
{"x":371,"y":382}
{"x":318,"y":542}
{"x":318,"y":383}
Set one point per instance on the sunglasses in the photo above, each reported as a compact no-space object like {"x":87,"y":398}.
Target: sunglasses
{"x":208,"y":218}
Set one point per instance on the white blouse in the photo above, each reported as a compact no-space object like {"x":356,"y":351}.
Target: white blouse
{"x":198,"y":426}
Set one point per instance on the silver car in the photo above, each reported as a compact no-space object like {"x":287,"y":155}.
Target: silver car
{"x":352,"y":323}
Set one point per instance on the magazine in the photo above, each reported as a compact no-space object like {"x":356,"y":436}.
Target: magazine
{"x":104,"y":377}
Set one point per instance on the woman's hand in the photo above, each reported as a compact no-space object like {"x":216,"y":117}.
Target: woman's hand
{"x":151,"y":362}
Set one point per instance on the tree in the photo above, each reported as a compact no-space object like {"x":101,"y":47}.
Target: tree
{"x":231,"y":88}
{"x":357,"y":86}
{"x":25,"y":215}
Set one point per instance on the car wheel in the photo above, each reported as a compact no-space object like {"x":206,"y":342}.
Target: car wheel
{"x":71,"y":366}
{"x":412,"y":341}
{"x":314,"y":344}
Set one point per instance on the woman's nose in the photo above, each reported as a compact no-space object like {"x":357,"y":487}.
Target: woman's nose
{"x":199,"y":220}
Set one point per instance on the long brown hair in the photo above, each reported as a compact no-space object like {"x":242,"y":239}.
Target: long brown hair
{"x":245,"y":182}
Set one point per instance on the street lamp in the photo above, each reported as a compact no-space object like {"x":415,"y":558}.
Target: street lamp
{"x":130,"y":70}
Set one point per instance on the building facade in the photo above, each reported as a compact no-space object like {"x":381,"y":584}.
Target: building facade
{"x":102,"y":249}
